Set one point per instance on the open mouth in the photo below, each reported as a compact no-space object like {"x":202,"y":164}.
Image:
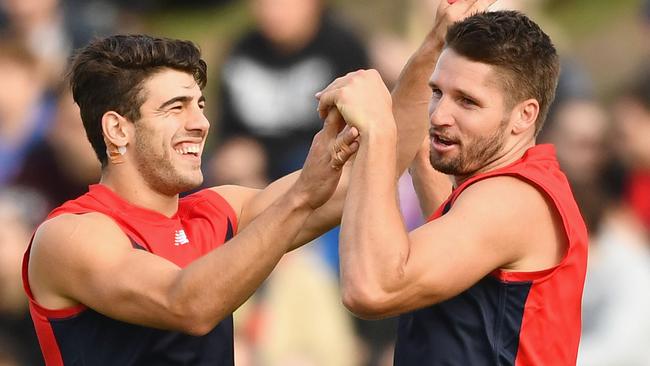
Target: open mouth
{"x":443,"y":141}
{"x":188,"y":149}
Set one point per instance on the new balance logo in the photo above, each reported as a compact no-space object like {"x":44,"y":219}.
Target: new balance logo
{"x":180,"y":238}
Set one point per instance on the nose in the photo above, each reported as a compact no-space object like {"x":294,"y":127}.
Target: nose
{"x":440,"y":112}
{"x":198,"y":121}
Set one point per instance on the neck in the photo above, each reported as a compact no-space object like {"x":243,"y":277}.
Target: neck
{"x":133,"y":188}
{"x":506,"y":157}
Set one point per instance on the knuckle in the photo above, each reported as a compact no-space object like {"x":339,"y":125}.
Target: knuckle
{"x":343,"y":94}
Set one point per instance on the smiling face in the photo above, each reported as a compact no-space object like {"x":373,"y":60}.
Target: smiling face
{"x":468,"y":115}
{"x":170,"y":135}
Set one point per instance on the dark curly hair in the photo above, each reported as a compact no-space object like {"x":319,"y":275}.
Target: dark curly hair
{"x":108,"y":75}
{"x":517,"y":47}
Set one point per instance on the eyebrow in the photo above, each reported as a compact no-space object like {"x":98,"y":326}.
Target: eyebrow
{"x":183,"y":99}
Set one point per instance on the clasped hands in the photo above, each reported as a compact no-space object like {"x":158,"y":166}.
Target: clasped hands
{"x":355,"y":103}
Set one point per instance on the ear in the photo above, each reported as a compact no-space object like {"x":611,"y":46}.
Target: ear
{"x":116,"y":129}
{"x":524,"y":116}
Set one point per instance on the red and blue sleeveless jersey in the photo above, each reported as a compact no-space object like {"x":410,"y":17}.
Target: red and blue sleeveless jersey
{"x":508,"y":318}
{"x":82,"y":336}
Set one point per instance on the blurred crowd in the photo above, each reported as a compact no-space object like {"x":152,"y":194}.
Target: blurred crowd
{"x":263,"y":115}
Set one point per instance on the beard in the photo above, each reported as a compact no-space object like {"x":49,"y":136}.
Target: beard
{"x":473,"y":154}
{"x":158,"y":170}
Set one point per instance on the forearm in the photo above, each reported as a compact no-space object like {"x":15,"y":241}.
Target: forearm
{"x":431,"y":186}
{"x":319,"y":221}
{"x":411,"y":96}
{"x":325,"y":217}
{"x":215,"y":285}
{"x":373,"y":243}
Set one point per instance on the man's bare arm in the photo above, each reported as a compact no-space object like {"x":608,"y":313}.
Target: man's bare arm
{"x":88,"y":259}
{"x":386,"y":271}
{"x":431,"y":186}
{"x":138,"y":287}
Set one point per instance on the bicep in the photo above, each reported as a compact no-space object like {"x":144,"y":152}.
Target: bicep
{"x":89,"y":260}
{"x":452,"y":253}
{"x":447,"y":257}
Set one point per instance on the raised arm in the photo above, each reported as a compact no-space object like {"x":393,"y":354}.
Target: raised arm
{"x":411,"y":98}
{"x":411,"y":93}
{"x":87,"y":259}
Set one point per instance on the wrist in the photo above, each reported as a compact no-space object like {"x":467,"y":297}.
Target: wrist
{"x":434,"y":41}
{"x":385,"y":129}
{"x":297,"y":199}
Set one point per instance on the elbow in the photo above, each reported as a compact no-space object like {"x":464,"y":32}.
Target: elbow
{"x":366,"y":303}
{"x":188,"y":311}
{"x":196,"y":327}
{"x":193,"y":320}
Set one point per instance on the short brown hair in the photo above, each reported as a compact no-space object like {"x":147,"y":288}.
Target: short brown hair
{"x":514,"y":44}
{"x":108,"y":75}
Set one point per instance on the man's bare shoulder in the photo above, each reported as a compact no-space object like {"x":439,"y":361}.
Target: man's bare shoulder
{"x":516,"y":211}
{"x":234,"y":194}
{"x":74,"y":237}
{"x":67,"y":229}
{"x":514,"y":193}
{"x":66,"y":247}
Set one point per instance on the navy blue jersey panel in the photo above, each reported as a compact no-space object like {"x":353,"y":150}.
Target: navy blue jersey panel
{"x":478,"y":327}
{"x":92,"y":339}
{"x":229,"y":232}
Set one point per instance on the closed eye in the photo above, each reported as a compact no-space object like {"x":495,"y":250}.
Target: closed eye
{"x":468,"y":102}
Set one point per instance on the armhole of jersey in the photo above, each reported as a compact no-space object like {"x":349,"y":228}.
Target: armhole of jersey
{"x":522,"y":276}
{"x":222,"y":203}
{"x":543,"y":274}
{"x":43,"y":311}
{"x":441,"y":210}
